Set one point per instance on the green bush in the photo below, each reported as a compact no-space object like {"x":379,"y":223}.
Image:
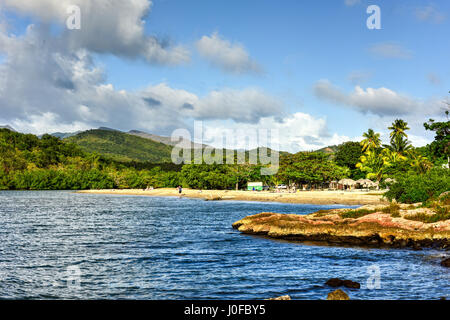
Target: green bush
{"x":412,"y":187}
{"x":356,"y":213}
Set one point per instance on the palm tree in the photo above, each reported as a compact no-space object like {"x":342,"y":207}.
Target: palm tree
{"x":372,"y":163}
{"x":371,"y":141}
{"x":419,"y":163}
{"x":399,"y":138}
{"x":398,"y":128}
{"x":392,"y":158}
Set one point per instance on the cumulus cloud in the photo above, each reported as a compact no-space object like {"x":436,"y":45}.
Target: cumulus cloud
{"x":390,"y":50}
{"x":248,"y":105}
{"x":429,"y":14}
{"x":107,"y":26}
{"x":296,"y":132}
{"x":381,"y":101}
{"x":44,"y":83}
{"x":230,"y":57}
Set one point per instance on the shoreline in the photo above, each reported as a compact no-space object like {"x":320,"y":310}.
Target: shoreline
{"x":302,"y":197}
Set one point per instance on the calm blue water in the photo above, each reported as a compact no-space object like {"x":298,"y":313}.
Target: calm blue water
{"x":72,"y":246}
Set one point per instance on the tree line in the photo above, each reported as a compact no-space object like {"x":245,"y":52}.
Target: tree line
{"x":48,"y":163}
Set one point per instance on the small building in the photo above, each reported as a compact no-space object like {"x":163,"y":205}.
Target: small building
{"x":257,"y":186}
{"x":346,"y":184}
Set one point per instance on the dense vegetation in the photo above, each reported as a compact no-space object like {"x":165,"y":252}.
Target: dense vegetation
{"x":414,"y":187}
{"x":121,"y":146}
{"x":98,"y":159}
{"x":30,"y":163}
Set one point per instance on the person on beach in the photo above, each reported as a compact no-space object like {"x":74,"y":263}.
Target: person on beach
{"x":180,"y":189}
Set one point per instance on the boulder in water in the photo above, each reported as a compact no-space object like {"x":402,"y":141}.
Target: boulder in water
{"x":336,"y":282}
{"x":338,"y":295}
{"x":351,"y":284}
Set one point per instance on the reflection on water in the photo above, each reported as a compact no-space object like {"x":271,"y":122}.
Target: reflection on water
{"x":72,"y":246}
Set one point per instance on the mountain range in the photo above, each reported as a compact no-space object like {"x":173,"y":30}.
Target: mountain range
{"x":134,"y":145}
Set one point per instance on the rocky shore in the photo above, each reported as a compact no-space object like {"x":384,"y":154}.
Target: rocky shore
{"x":375,"y":226}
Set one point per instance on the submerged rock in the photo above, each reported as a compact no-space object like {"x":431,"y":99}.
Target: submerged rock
{"x":446,"y":263}
{"x":336,"y":282}
{"x":338,"y":295}
{"x":351,"y":284}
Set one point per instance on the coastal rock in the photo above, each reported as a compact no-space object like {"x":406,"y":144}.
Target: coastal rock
{"x":351,"y":284}
{"x":334,"y":282}
{"x":338,"y":295}
{"x":446,"y":263}
{"x":373,"y":228}
{"x":286,"y":297}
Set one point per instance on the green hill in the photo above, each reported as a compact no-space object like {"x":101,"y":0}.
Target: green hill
{"x":122,"y":146}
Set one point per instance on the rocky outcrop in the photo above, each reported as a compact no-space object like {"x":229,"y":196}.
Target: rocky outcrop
{"x":338,"y":295}
{"x":286,"y":297}
{"x":373,"y":228}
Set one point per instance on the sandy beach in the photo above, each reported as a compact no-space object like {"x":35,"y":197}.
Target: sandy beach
{"x":310,"y":197}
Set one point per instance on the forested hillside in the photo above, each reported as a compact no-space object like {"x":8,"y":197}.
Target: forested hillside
{"x":122,"y":146}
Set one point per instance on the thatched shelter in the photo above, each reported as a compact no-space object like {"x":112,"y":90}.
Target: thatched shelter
{"x":346,"y":184}
{"x":366,"y":183}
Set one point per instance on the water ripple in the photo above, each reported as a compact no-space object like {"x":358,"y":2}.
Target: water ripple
{"x":62,"y":245}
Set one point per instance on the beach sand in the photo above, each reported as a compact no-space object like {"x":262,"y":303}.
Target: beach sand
{"x":306,"y":197}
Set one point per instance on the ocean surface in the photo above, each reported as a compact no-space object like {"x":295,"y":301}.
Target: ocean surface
{"x":63,"y":245}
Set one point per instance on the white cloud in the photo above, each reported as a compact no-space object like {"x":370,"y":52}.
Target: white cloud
{"x":247,"y":105}
{"x":381,"y":101}
{"x":230,"y":57}
{"x":429,"y":14}
{"x":296,"y":132}
{"x":107,"y":26}
{"x":390,"y":50}
{"x":43,"y":83}
{"x":46,"y":123}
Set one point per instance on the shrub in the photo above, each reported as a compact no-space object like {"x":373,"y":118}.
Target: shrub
{"x":412,"y":187}
{"x":440,"y":215}
{"x":393,"y":209}
{"x":356,"y":213}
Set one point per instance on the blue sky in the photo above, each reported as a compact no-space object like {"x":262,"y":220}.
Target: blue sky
{"x":304,"y":58}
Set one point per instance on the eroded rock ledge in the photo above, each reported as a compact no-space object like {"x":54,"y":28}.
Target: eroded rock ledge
{"x":378,"y":229}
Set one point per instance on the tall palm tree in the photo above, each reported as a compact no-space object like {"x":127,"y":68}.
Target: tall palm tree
{"x":398,"y":128}
{"x":371,"y":141}
{"x":399,"y":138}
